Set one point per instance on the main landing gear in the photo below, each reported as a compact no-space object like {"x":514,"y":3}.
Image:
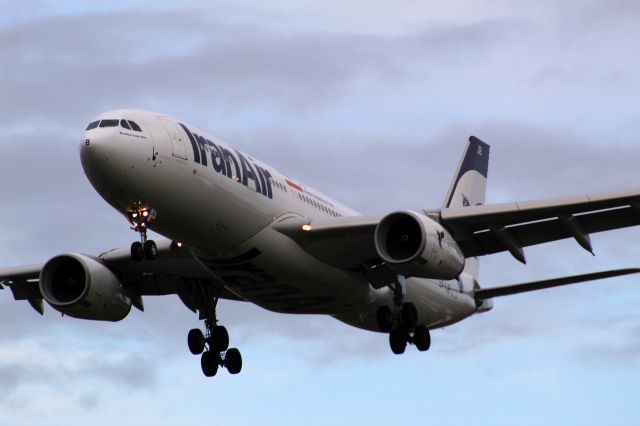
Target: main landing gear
{"x":402,"y":322}
{"x":213,"y":344}
{"x":141,"y":218}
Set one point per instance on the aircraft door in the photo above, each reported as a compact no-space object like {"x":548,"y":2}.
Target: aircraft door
{"x":177,"y":138}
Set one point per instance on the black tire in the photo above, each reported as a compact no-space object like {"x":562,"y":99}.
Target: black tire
{"x":220,"y":338}
{"x":233,"y":361}
{"x":409,"y":315}
{"x":422,"y":338}
{"x":384,"y":318}
{"x":195,"y":340}
{"x":137,"y":253}
{"x":398,"y":341}
{"x":150,"y":249}
{"x":210,"y":362}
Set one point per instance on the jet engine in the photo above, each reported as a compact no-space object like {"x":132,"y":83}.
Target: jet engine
{"x":412,"y":244}
{"x":82,"y":287}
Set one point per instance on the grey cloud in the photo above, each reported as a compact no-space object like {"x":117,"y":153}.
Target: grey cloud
{"x":89,"y":61}
{"x":131,"y":371}
{"x":619,"y":344}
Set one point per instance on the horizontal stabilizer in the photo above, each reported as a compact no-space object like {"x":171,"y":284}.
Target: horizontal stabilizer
{"x":488,"y":293}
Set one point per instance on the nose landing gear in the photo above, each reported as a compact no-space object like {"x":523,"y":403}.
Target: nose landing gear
{"x":140,"y":219}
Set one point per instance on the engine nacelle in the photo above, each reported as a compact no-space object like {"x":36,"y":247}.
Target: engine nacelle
{"x":82,"y":287}
{"x":412,"y":244}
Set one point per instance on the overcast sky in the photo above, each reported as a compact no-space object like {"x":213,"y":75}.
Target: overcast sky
{"x":370,"y":102}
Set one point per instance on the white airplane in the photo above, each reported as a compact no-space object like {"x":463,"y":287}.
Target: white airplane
{"x":238,"y":229}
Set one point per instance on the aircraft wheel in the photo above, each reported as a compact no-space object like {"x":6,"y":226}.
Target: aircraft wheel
{"x":137,"y":252}
{"x":233,"y":361}
{"x":422,"y":338}
{"x":398,"y":341}
{"x":209,"y":363}
{"x":195,"y":340}
{"x":384,"y":318}
{"x":150,"y":249}
{"x":409,"y":315}
{"x":220,"y":338}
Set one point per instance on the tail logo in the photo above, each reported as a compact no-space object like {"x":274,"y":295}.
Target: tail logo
{"x":479,"y":150}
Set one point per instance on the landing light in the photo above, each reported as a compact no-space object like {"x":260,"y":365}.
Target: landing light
{"x":306,"y":227}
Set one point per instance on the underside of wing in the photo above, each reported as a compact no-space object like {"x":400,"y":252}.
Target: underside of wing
{"x":482,"y":230}
{"x":345,"y":242}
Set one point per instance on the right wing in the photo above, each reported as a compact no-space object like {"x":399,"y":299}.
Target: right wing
{"x":174,"y":271}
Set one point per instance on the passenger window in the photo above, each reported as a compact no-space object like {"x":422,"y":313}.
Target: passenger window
{"x":93,"y":125}
{"x":134,"y":126}
{"x":124,"y":124}
{"x":109,"y":123}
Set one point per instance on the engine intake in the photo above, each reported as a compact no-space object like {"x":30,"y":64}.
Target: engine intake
{"x":82,"y":287}
{"x":414,"y":245}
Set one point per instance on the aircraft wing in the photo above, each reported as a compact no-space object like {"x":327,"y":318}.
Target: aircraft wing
{"x":345,"y":242}
{"x":482,"y":230}
{"x":174,"y":271}
{"x":479,"y":230}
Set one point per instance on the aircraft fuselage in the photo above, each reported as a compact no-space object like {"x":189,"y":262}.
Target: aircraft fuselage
{"x":222,"y":203}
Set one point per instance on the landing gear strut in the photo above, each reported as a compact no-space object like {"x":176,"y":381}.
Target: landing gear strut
{"x":140,"y":219}
{"x":213,"y":344}
{"x":402,"y":321}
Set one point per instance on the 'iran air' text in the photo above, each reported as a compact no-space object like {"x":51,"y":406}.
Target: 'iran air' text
{"x":233,"y":165}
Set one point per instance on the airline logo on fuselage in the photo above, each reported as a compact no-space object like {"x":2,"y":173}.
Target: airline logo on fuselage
{"x":231,"y":164}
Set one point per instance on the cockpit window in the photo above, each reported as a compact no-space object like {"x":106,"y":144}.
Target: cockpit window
{"x":93,"y":125}
{"x":109,"y":123}
{"x":127,"y":124}
{"x":134,"y":126}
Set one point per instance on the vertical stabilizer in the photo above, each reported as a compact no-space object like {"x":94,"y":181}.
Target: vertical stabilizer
{"x":469,"y":185}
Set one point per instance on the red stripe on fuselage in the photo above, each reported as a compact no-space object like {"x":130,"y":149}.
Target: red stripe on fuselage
{"x":293,"y":185}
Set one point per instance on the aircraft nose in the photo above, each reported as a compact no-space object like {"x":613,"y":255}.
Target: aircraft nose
{"x":97,"y":146}
{"x":96,"y":155}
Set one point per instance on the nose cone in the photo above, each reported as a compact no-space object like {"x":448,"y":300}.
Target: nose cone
{"x":96,"y":154}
